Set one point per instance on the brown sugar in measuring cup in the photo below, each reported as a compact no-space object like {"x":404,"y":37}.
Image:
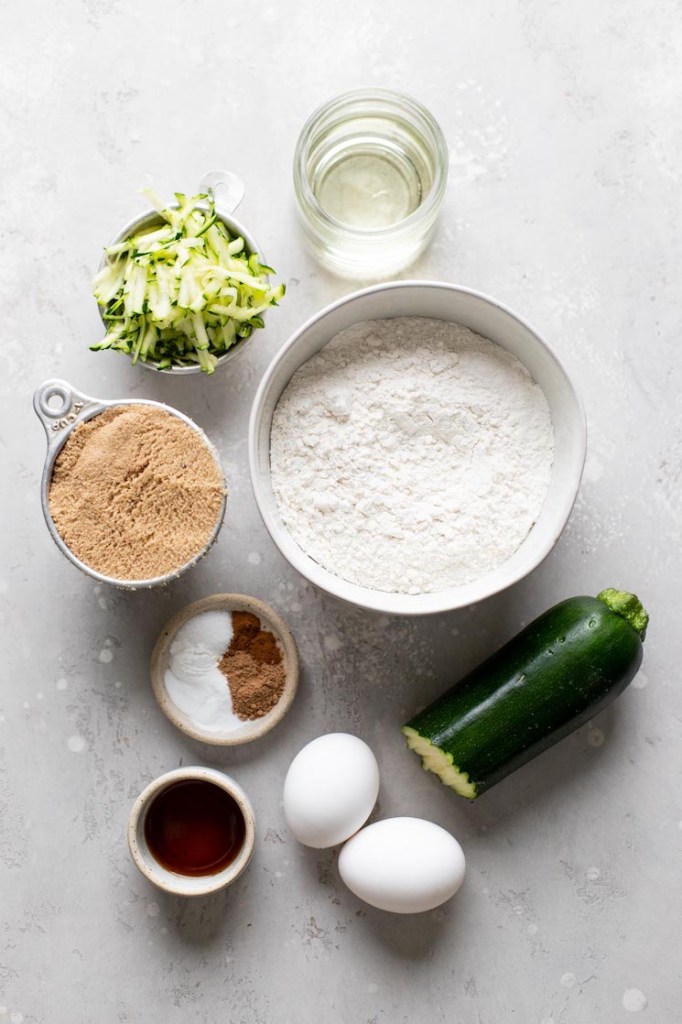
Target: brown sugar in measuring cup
{"x":81,"y":490}
{"x":135,"y":492}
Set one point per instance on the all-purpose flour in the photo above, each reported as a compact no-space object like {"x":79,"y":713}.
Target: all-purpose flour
{"x":411,"y":455}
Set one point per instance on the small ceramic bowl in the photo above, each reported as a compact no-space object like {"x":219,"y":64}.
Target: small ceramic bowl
{"x":251,"y":729}
{"x":170,"y":881}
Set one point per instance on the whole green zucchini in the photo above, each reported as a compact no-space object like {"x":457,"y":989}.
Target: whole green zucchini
{"x":563,"y":669}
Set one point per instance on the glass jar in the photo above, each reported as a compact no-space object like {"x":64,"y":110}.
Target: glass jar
{"x":370,"y":172}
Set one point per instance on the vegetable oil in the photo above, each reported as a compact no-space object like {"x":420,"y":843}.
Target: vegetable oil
{"x":369,"y":187}
{"x":370,"y":174}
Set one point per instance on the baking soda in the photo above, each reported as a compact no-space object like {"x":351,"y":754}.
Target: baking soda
{"x":193,"y":680}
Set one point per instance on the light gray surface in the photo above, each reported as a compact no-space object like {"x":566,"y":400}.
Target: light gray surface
{"x":564,"y":126}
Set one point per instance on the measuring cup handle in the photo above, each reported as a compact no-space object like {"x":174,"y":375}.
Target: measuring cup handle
{"x":226,"y":188}
{"x":57,"y":405}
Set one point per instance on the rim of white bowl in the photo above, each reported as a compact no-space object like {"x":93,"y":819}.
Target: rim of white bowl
{"x":388,"y":602}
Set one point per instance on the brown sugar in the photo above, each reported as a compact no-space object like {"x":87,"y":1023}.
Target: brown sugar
{"x":253,"y":667}
{"x":135,"y":492}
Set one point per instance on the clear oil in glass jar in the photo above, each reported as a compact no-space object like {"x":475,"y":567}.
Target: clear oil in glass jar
{"x":369,"y":186}
{"x":370,"y":173}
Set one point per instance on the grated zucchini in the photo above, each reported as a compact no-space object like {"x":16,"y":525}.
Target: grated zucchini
{"x":184,"y":292}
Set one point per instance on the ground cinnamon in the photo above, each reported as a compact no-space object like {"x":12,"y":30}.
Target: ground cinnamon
{"x":135,"y":492}
{"x":253,"y":667}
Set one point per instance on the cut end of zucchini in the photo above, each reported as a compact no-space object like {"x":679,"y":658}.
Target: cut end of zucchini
{"x":627,"y":605}
{"x":441,"y":764}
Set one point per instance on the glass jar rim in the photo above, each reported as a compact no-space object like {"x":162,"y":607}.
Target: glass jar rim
{"x":307,"y":199}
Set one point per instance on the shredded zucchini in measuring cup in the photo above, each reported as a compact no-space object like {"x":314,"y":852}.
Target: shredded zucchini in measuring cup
{"x":184,"y":292}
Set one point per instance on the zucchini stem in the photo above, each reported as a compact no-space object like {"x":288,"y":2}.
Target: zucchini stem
{"x":628,"y":606}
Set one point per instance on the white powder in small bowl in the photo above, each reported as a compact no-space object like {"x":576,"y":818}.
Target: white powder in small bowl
{"x":411,"y":455}
{"x":193,"y":680}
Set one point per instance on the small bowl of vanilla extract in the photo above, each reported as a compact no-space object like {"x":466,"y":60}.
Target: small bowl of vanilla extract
{"x":191,"y":832}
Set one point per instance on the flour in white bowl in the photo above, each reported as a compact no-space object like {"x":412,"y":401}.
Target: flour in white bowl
{"x":411,"y":455}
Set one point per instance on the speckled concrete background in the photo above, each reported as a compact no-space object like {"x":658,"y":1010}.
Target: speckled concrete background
{"x":564,"y":126}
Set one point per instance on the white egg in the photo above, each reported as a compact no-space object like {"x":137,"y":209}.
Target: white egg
{"x":405,"y":865}
{"x":330,"y":789}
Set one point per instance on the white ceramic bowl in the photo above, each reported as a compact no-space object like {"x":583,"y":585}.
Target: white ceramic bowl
{"x":486,"y":317}
{"x":249,"y":730}
{"x":171,"y":881}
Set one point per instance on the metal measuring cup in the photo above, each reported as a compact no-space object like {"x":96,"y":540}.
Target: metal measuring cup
{"x":227,"y":191}
{"x":60,"y":408}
